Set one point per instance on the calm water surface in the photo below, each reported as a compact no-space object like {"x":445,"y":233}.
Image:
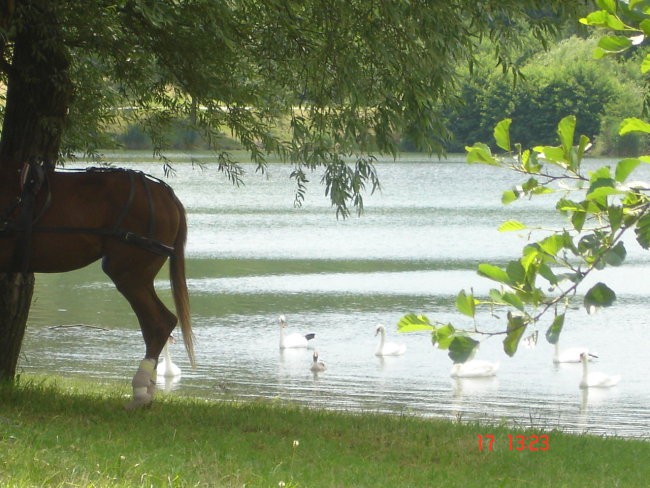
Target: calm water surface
{"x":252,"y":256}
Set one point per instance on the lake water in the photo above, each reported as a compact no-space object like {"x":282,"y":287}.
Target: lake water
{"x":252,"y":256}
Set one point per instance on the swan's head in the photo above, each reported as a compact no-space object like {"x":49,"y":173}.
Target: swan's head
{"x":584,"y":356}
{"x":380,"y":330}
{"x":315,"y":356}
{"x":282,"y":320}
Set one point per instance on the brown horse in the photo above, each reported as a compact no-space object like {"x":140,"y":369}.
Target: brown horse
{"x":133,"y":222}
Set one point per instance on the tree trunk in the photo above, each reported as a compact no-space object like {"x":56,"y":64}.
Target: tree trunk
{"x":15,"y":298}
{"x":38,"y":95}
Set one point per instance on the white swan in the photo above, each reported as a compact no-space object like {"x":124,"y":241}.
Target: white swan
{"x":166,"y":367}
{"x":570,"y":355}
{"x":387,"y":348}
{"x":596,"y":379}
{"x":293,"y":340}
{"x":317,"y":366}
{"x":475,"y":368}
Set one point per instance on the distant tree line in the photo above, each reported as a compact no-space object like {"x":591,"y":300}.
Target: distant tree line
{"x":565,"y":80}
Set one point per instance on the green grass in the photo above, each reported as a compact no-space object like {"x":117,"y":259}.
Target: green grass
{"x":71,"y":433}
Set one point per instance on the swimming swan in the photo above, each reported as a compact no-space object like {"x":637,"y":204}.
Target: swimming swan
{"x":294,"y":340}
{"x":596,"y":379}
{"x":387,"y":348}
{"x":475,"y":368}
{"x":317,"y":366}
{"x":570,"y":355}
{"x":166,"y":366}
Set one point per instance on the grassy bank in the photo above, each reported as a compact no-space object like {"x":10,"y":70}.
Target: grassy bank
{"x":65,"y":433}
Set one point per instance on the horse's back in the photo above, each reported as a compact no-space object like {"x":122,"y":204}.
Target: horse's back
{"x":82,"y":215}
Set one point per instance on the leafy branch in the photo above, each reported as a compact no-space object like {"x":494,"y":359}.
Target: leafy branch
{"x":607,"y":207}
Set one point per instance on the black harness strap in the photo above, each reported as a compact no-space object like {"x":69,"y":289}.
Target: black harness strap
{"x":32,"y":177}
{"x":127,"y":205}
{"x":152,"y":209}
{"x":149,"y":244}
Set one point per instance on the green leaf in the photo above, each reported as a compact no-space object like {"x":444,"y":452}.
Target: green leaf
{"x":642,"y":231}
{"x":466,"y":304}
{"x":547,"y":273}
{"x":600,"y":295}
{"x":616,"y":255}
{"x":578,"y":220}
{"x":414,"y":323}
{"x":493,"y":272}
{"x":553,"y":332}
{"x":633,"y":125}
{"x":530,"y":254}
{"x":514,"y":300}
{"x":443,"y":336}
{"x":506,"y":298}
{"x":541,"y":190}
{"x":644,"y":25}
{"x":511,"y":225}
{"x":607,"y":5}
{"x":583,"y":146}
{"x":551,"y":153}
{"x":614,"y":44}
{"x":480,"y":153}
{"x":589,"y":243}
{"x":602,"y":187}
{"x":615,"y":214}
{"x":502,"y":134}
{"x":461,"y":348}
{"x":516,"y":272}
{"x":625,"y":167}
{"x":565,"y":205}
{"x":604,"y":172}
{"x":529,"y":161}
{"x":530,"y":185}
{"x":552,"y":244}
{"x":601,"y":18}
{"x":516,"y":328}
{"x":509,"y":196}
{"x":602,"y":192}
{"x":566,"y":130}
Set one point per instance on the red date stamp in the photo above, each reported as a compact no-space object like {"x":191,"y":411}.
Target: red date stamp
{"x":516,"y":442}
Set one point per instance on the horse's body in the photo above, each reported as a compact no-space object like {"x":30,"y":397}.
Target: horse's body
{"x":131,"y":222}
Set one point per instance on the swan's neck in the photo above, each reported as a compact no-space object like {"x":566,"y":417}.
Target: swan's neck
{"x":382,"y":338}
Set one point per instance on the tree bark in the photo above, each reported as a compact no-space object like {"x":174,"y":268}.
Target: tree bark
{"x":15,"y":298}
{"x":38,"y":89}
{"x":38,"y":96}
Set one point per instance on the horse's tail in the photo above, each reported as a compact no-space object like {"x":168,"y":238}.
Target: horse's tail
{"x":179,"y":284}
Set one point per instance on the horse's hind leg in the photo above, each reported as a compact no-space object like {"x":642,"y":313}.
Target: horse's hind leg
{"x":156,"y":321}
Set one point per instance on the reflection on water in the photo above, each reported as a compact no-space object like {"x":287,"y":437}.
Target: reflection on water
{"x":252,"y":256}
